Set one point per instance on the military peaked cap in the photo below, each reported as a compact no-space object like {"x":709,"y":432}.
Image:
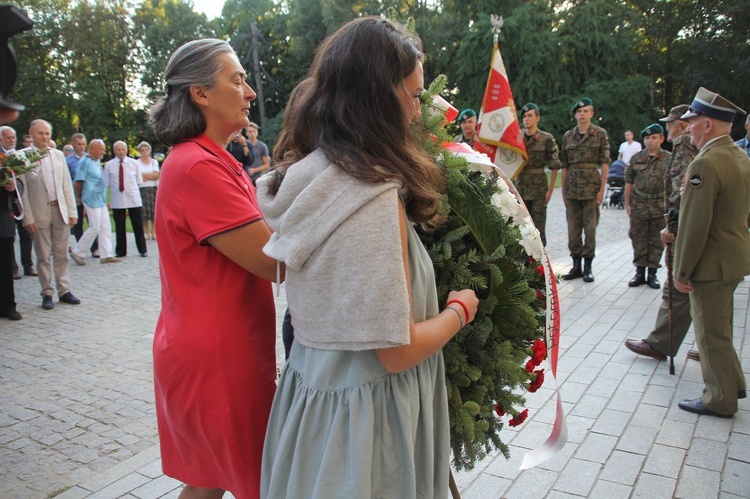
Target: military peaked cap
{"x":713,"y":105}
{"x":676,"y":113}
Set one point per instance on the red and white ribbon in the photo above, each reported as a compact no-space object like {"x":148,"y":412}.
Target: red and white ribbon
{"x":559,"y":435}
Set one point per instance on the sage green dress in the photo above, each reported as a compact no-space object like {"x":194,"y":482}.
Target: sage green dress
{"x":341,"y":426}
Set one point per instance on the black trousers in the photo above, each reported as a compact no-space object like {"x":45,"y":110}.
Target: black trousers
{"x":136,"y":220}
{"x":26,"y":241}
{"x":7,"y":296}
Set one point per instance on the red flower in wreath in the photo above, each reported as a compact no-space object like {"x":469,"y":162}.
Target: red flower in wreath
{"x":539,"y":349}
{"x":530,"y":366}
{"x":519,"y":419}
{"x":540,"y":295}
{"x":537,"y":383}
{"x":540,"y":270}
{"x":500,"y":410}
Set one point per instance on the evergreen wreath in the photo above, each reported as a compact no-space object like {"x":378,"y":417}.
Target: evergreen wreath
{"x":487,"y":371}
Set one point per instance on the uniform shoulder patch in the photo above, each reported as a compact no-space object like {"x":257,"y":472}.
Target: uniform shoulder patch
{"x":696,"y":181}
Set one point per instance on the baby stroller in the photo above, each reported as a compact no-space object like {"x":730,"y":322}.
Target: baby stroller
{"x":615,"y":194}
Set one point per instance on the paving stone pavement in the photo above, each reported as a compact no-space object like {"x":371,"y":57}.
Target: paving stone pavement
{"x":77,"y":417}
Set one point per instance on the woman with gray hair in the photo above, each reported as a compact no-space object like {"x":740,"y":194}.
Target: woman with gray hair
{"x":214,"y":358}
{"x":150,"y":172}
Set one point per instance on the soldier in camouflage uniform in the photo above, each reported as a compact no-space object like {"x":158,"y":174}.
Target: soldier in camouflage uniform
{"x":584,"y":149}
{"x":532,"y":182}
{"x":644,"y":202}
{"x":467,"y":120}
{"x":657,"y":344}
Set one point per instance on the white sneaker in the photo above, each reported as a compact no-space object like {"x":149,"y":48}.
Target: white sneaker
{"x":76,"y":258}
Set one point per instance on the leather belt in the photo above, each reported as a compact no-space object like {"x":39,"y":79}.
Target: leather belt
{"x":584,"y":165}
{"x":532,"y":171}
{"x":54,"y":203}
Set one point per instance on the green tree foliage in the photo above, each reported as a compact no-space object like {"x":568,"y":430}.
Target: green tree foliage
{"x":44,"y":81}
{"x":159,"y":28}
{"x":635,"y":58}
{"x":98,"y":40}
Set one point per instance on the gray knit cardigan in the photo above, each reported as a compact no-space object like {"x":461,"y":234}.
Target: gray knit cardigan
{"x":340,"y":240}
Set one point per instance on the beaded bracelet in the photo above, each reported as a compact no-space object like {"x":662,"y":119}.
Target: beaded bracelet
{"x":466,"y":309}
{"x":460,"y":319}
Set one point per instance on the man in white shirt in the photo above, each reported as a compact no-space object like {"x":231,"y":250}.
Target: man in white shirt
{"x":124,"y":180}
{"x":628,"y":148}
{"x":50,"y":210}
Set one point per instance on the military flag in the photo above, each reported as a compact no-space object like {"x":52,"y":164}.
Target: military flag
{"x":498,"y":129}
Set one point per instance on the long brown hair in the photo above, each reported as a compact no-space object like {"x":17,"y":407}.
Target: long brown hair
{"x":350,"y":109}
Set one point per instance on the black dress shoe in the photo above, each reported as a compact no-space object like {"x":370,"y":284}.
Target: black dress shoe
{"x":697,"y":406}
{"x":12,"y":315}
{"x":47,"y":303}
{"x":70,"y":299}
{"x":694,"y":355}
{"x":642,"y":348}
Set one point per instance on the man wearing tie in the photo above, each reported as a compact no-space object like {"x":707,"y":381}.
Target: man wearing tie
{"x":50,"y":210}
{"x":124,"y":178}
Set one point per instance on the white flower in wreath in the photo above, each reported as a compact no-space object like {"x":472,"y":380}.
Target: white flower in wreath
{"x":502,"y":186}
{"x":531,"y":241}
{"x":507,"y":205}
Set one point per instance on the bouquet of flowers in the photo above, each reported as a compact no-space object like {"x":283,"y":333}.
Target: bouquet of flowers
{"x":15,"y":163}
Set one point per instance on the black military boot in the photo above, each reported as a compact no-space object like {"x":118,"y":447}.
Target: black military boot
{"x":588,"y":274}
{"x":652,"y":281}
{"x":575,"y":272}
{"x":640,"y":277}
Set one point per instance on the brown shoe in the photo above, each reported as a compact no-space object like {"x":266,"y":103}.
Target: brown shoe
{"x":16,"y":275}
{"x":642,"y":348}
{"x":30,"y":271}
{"x":694,"y":355}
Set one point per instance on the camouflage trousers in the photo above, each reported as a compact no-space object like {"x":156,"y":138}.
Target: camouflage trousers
{"x":647,"y":246}
{"x":538,"y":211}
{"x":583,"y":217}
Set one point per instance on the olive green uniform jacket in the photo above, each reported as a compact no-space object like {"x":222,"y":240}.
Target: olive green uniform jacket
{"x":713,"y":243}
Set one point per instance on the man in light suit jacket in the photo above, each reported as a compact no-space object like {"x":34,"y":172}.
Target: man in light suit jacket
{"x":50,"y":210}
{"x":712,"y":250}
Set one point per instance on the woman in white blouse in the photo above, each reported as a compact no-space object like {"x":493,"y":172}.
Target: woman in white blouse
{"x":150,"y":171}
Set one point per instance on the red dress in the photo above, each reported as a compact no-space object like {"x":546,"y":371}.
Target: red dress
{"x":214,"y":345}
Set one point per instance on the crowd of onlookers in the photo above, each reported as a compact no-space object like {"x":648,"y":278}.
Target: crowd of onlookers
{"x":51,"y":201}
{"x":71,"y":185}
